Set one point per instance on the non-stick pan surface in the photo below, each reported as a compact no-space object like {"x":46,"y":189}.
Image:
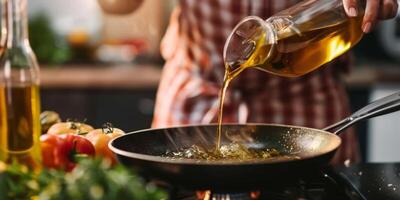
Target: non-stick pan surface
{"x":144,"y":150}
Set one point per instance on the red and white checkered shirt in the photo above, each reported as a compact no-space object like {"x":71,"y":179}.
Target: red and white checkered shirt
{"x":194,"y":70}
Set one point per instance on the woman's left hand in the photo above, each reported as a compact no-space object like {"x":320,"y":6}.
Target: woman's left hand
{"x":374,"y":10}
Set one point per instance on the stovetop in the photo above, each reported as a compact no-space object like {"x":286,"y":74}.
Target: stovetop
{"x":374,"y":180}
{"x":362,"y":181}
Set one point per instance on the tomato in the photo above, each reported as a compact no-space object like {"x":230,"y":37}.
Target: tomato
{"x":50,"y":154}
{"x":62,"y":151}
{"x":69,"y":128}
{"x":100,"y":139}
{"x":3,"y":166}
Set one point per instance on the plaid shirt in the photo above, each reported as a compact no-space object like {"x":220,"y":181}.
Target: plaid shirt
{"x":194,"y":70}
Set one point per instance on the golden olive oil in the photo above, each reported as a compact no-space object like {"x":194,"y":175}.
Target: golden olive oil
{"x":20,"y":125}
{"x":300,"y":50}
{"x":225,"y":85}
{"x":229,"y":152}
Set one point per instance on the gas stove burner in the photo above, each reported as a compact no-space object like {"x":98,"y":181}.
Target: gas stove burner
{"x":209,"y":195}
{"x":318,"y":186}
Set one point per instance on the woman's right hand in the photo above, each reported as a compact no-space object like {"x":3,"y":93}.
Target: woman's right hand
{"x":374,"y":10}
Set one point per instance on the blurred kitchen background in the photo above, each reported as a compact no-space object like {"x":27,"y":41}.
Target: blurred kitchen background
{"x":105,"y":68}
{"x":95,"y":66}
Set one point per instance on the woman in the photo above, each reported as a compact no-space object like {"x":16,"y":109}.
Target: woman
{"x":194,"y":70}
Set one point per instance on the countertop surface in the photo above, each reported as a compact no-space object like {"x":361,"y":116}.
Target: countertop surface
{"x":148,"y":76}
{"x":101,"y":77}
{"x":369,"y":74}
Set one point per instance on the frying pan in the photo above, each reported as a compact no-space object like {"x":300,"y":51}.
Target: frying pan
{"x":144,"y":149}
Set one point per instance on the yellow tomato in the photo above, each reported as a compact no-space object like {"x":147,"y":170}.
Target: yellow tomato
{"x":3,"y":167}
{"x":100,"y":139}
{"x":69,"y":128}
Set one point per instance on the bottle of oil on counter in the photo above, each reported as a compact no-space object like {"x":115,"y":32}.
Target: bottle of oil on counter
{"x":295,"y":41}
{"x":19,"y":90}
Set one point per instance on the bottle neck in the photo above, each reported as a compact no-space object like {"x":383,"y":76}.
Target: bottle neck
{"x":17,"y":23}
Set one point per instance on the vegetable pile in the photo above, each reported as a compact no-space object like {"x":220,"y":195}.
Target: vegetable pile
{"x":64,"y":143}
{"x":77,"y":164}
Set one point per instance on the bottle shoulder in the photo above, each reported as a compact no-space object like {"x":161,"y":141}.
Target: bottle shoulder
{"x":19,"y":57}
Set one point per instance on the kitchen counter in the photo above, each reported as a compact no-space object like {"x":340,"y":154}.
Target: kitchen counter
{"x":374,"y":180}
{"x":101,"y":77}
{"x":147,"y":76}
{"x":368,"y":74}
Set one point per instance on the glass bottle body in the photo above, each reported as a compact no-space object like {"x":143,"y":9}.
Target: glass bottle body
{"x":19,"y":92}
{"x":295,"y":41}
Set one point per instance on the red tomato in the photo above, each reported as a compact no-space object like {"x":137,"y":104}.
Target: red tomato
{"x":50,"y":154}
{"x":62,"y":151}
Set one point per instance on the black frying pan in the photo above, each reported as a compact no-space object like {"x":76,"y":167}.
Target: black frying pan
{"x":315,"y":148}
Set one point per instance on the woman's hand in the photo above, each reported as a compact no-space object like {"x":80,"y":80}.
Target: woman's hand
{"x":374,"y":10}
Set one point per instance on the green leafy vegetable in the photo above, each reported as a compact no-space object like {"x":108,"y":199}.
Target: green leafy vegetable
{"x":91,"y":180}
{"x":49,"y":47}
{"x":17,"y":183}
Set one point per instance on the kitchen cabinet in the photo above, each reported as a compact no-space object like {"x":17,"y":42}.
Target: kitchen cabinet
{"x":127,"y":109}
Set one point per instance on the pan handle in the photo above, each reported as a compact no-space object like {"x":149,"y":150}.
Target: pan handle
{"x":378,"y":107}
